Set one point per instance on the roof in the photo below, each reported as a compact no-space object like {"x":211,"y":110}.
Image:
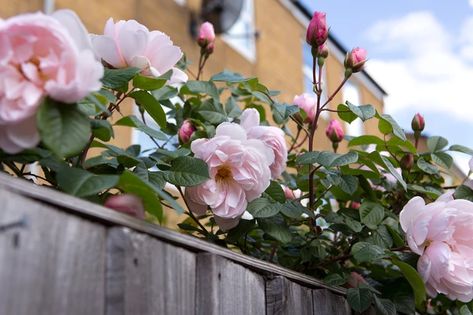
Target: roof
{"x":336,"y":42}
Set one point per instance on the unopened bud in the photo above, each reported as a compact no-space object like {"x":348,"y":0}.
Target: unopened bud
{"x":407,"y":161}
{"x":355,"y":59}
{"x":418,"y":123}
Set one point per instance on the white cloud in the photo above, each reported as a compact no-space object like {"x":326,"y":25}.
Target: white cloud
{"x":432,"y":71}
{"x":471,"y":2}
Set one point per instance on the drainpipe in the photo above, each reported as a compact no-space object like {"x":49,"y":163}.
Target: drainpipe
{"x":48,"y":6}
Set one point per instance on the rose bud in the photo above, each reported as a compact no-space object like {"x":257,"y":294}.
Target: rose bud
{"x":291,"y":194}
{"x":126,"y":203}
{"x":317,"y":31}
{"x":186,"y":131}
{"x":407,"y":161}
{"x":355,"y":60}
{"x":354,"y":205}
{"x":335,"y":131}
{"x":355,"y":280}
{"x":322,"y":51}
{"x":418,"y":123}
{"x":206,"y":35}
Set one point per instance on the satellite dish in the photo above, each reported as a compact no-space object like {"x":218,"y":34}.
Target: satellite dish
{"x":221,"y":13}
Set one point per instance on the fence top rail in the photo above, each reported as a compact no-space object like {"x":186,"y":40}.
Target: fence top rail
{"x":110,"y":217}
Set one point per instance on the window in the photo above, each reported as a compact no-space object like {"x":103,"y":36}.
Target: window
{"x":241,"y":36}
{"x":351,"y":93}
{"x":307,"y":72}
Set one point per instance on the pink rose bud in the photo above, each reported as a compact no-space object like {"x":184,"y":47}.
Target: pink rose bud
{"x":355,"y":205}
{"x":335,"y":131}
{"x":355,"y":60}
{"x":126,"y":203}
{"x":206,"y":35}
{"x":317,"y":31}
{"x":291,"y":194}
{"x":355,"y":280}
{"x":418,"y":123}
{"x":186,"y":131}
{"x":308,"y":104}
{"x":407,"y":161}
{"x":322,"y":51}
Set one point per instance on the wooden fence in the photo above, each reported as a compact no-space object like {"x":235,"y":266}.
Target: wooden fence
{"x":63,"y":255}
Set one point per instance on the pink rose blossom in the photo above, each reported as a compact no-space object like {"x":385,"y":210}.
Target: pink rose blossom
{"x":40,"y":56}
{"x":441,"y":232}
{"x":335,"y":131}
{"x":239,"y":173}
{"x":317,"y":31}
{"x":271,"y":136}
{"x":128,"y":204}
{"x":355,"y":59}
{"x":131,"y":44}
{"x":308,"y":104}
{"x":186,"y":131}
{"x":206,"y":34}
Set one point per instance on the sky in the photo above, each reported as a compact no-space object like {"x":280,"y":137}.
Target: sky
{"x":420,"y":52}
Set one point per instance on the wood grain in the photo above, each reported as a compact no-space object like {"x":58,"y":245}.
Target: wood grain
{"x":147,"y":276}
{"x":226,"y":288}
{"x":286,"y":297}
{"x":52,"y":264}
{"x":328,"y":303}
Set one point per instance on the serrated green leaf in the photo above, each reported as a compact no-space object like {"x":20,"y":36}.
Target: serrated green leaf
{"x":102,"y":129}
{"x":263,"y":208}
{"x":63,"y":128}
{"x":414,"y":280}
{"x":276,"y":192}
{"x":133,"y":121}
{"x":148,"y":83}
{"x":81,"y":183}
{"x":364,"y":112}
{"x":384,"y":306}
{"x":371,"y":214}
{"x":228,"y":76}
{"x":366,"y":252}
{"x":278,"y":231}
{"x":436,"y":143}
{"x":151,"y":105}
{"x":387,"y":124}
{"x":393,"y":171}
{"x":359,"y":298}
{"x":427,"y":167}
{"x":345,"y":113}
{"x":442,"y":159}
{"x":464,"y":310}
{"x":365,"y":140}
{"x":117,"y":78}
{"x":461,"y":148}
{"x":463,"y":192}
{"x":187,"y":171}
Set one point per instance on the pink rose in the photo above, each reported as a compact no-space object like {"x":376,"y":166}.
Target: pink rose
{"x":355,"y":59}
{"x":334,"y":131}
{"x":186,"y":131}
{"x":317,"y":31}
{"x":131,"y":44}
{"x":291,"y":194}
{"x":40,"y":56}
{"x":308,"y":104}
{"x":206,"y":34}
{"x":128,"y":204}
{"x":441,"y":233}
{"x":239,"y":173}
{"x":271,"y":136}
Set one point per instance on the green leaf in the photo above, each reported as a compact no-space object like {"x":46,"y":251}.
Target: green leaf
{"x":414,"y":280}
{"x":348,"y":184}
{"x":384,"y":306}
{"x":133,"y":121}
{"x":63,"y":128}
{"x":228,"y":76}
{"x":387,"y":125}
{"x":335,"y":279}
{"x":327,"y":159}
{"x":364,"y":112}
{"x":381,"y":237}
{"x":187,"y":171}
{"x":354,"y":225}
{"x":81,"y":183}
{"x":201,"y":87}
{"x":427,"y":167}
{"x":359,"y":298}
{"x":436,"y":143}
{"x":442,"y":159}
{"x":345,"y":113}
{"x":366,"y":252}
{"x":393,"y":171}
{"x":371,"y":214}
{"x":464,"y":310}
{"x":461,"y":148}
{"x":365,"y":140}
{"x":279,"y":231}
{"x":102,"y":129}
{"x":117,"y":78}
{"x":345,"y":159}
{"x":463,"y":192}
{"x":151,"y":105}
{"x":308,"y":158}
{"x":276,"y":192}
{"x":294,"y":209}
{"x":148,"y":83}
{"x":263,"y":208}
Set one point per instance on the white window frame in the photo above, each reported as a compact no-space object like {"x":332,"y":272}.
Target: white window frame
{"x":234,"y":36}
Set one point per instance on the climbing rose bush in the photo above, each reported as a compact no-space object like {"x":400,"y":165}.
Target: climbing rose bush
{"x":373,"y":213}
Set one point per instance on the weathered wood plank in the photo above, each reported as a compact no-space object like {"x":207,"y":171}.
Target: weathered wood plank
{"x":147,"y":276}
{"x":286,"y":297}
{"x":328,"y":303}
{"x":52,"y":265}
{"x":224,"y":287}
{"x":98,"y":213}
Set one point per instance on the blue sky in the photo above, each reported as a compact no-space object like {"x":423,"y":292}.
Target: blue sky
{"x":421,"y":52}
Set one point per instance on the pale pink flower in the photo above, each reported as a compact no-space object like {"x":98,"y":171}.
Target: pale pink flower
{"x":335,"y":131}
{"x":126,"y":203}
{"x":186,"y":131}
{"x":206,"y":34}
{"x":308,"y":104}
{"x":355,"y":59}
{"x":441,"y":232}
{"x":40,"y":56}
{"x":131,"y":44}
{"x":239,"y":173}
{"x":271,"y":136}
{"x":291,"y":194}
{"x":317,"y":31}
